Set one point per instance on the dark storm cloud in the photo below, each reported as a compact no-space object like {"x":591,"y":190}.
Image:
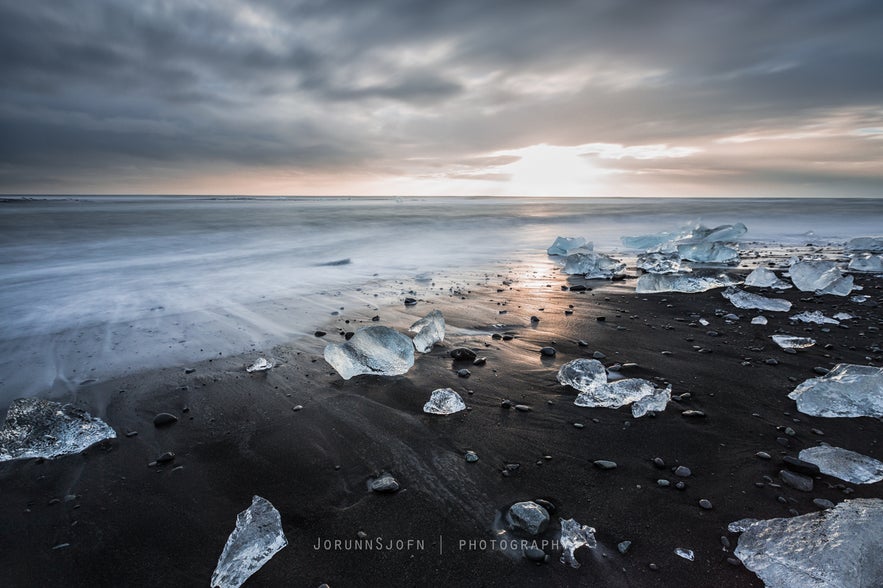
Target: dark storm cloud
{"x":92,"y":90}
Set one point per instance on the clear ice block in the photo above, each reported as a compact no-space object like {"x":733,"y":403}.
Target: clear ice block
{"x":846,"y":391}
{"x":762,"y":277}
{"x":563,"y":245}
{"x":381,"y":351}
{"x":742,"y":299}
{"x":792,"y":342}
{"x":430,"y":330}
{"x":256,"y":539}
{"x":847,"y":465}
{"x":574,"y":536}
{"x":655,"y":283}
{"x":444,"y":401}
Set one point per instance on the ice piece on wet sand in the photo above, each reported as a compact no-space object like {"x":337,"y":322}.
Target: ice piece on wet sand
{"x":822,"y":277}
{"x":444,"y":401}
{"x":372,"y":350}
{"x":759,"y":320}
{"x":528,"y":516}
{"x":659,"y":263}
{"x":589,"y":377}
{"x":762,"y":277}
{"x":653,"y":283}
{"x":574,"y":536}
{"x":719,"y":233}
{"x":814,"y":317}
{"x":615,"y":394}
{"x":866,"y":262}
{"x":708,"y":252}
{"x":685,"y":553}
{"x":260,"y":365}
{"x":742,"y":299}
{"x":846,"y":391}
{"x":653,"y":242}
{"x":839,"y":547}
{"x":843,"y":316}
{"x":655,"y":402}
{"x":257,"y":537}
{"x":874,"y":244}
{"x":563,"y":245}
{"x":792,"y":342}
{"x":582,"y":374}
{"x":592,"y":265}
{"x":430,"y":330}
{"x":847,"y":465}
{"x":41,"y":428}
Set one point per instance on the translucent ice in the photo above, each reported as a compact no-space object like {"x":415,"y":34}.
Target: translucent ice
{"x":659,"y":263}
{"x":563,"y":245}
{"x":653,"y":283}
{"x":257,"y":537}
{"x":866,"y":262}
{"x":430,"y":330}
{"x":615,"y":394}
{"x":822,"y":277}
{"x":528,"y":516}
{"x":685,"y":553}
{"x":708,"y":252}
{"x":834,"y":548}
{"x":592,"y":265}
{"x":657,"y":401}
{"x":589,"y":377}
{"x":742,"y":299}
{"x":814,"y":317}
{"x":874,"y":244}
{"x":260,"y":365}
{"x":849,"y":466}
{"x":41,"y":428}
{"x":720,"y":233}
{"x":762,"y":277}
{"x":372,"y":350}
{"x":574,"y":536}
{"x":846,"y":391}
{"x":444,"y":401}
{"x":655,"y":242}
{"x":582,"y":374}
{"x":759,"y":320}
{"x":791,"y":342}
{"x":843,"y":316}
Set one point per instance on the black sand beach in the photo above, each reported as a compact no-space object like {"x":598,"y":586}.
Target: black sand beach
{"x":107,"y":518}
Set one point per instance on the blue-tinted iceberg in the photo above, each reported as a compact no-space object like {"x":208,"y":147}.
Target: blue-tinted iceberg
{"x":846,"y":391}
{"x":372,"y":350}
{"x":256,"y":538}
{"x":866,"y":262}
{"x":564,"y":245}
{"x":708,"y":252}
{"x":847,"y":465}
{"x":873,"y":244}
{"x":430,"y":330}
{"x":742,"y":299}
{"x":821,"y":277}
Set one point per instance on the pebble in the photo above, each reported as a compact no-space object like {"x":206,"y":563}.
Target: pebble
{"x":796,"y":481}
{"x":823,"y":503}
{"x":783,"y":441}
{"x":599,"y":355}
{"x":817,"y":432}
{"x":578,"y":425}
{"x":790,"y":432}
{"x":706,"y":504}
{"x":410,"y":301}
{"x":680,"y":485}
{"x":534,"y":319}
{"x":663,"y":483}
{"x":471,"y":457}
{"x":506,"y":404}
{"x":297,"y":408}
{"x":600,"y":319}
{"x":163,"y":419}
{"x":693,"y":413}
{"x":535,"y":554}
{"x":658,"y":462}
{"x":464,"y":373}
{"x":189,"y":370}
{"x":166,"y":457}
{"x":800,"y":466}
{"x":548,"y":351}
{"x":733,"y":561}
{"x":682,"y":472}
{"x":523,"y":408}
{"x":820,"y":370}
{"x":763,"y":455}
{"x":771,"y":361}
{"x":582,"y":343}
{"x":385,"y":483}
{"x":479,"y":361}
{"x":654,"y":567}
{"x":463,"y":354}
{"x":320,"y":333}
{"x":623,"y":546}
{"x":605,"y":464}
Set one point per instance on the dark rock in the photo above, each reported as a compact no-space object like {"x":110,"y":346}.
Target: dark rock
{"x":164,"y":419}
{"x":706,"y":504}
{"x":464,"y":373}
{"x":548,"y":351}
{"x":623,"y":546}
{"x":598,"y":355}
{"x":479,"y":361}
{"x":820,"y":370}
{"x":605,"y":464}
{"x":410,"y":301}
{"x":523,"y":408}
{"x":582,"y":343}
{"x":800,"y":466}
{"x":682,"y":472}
{"x":823,"y":503}
{"x":535,"y":554}
{"x":658,"y":462}
{"x":166,"y":457}
{"x":578,"y":288}
{"x":796,"y":481}
{"x":463,"y":354}
{"x":506,"y":404}
{"x":320,"y":333}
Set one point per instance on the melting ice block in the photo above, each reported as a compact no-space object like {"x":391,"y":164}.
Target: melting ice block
{"x":563,"y":245}
{"x":372,"y":350}
{"x":659,"y":263}
{"x":444,"y":401}
{"x":589,"y":377}
{"x":720,"y":232}
{"x":654,"y":283}
{"x":528,"y":516}
{"x":257,"y":537}
{"x":657,"y":401}
{"x":708,"y":252}
{"x":874,"y":244}
{"x":655,"y":242}
{"x":791,"y":342}
{"x":430,"y":330}
{"x":759,"y":320}
{"x":742,"y":299}
{"x":846,"y":391}
{"x":41,"y":428}
{"x":592,"y":265}
{"x":762,"y":277}
{"x":582,"y":374}
{"x":574,"y":536}
{"x":261,"y":364}
{"x":835,"y":548}
{"x":847,"y":465}
{"x":866,"y":262}
{"x":822,"y":277}
{"x":814,"y":317}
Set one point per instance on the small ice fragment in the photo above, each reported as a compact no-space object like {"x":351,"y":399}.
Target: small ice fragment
{"x":814,"y":317}
{"x":592,"y":265}
{"x":762,"y":277}
{"x":849,"y":466}
{"x":866,"y":262}
{"x":846,"y":391}
{"x":654,"y":283}
{"x":444,"y":401}
{"x":582,"y":374}
{"x":430,"y":330}
{"x":655,"y":402}
{"x":374,"y":350}
{"x":759,"y":320}
{"x":822,"y":277}
{"x":843,"y":316}
{"x":574,"y":536}
{"x":860,"y":299}
{"x":528,"y":516}
{"x":708,"y":252}
{"x":659,"y":263}
{"x":257,"y":537}
{"x":837,"y":547}
{"x":42,"y":428}
{"x":874,"y":244}
{"x":703,"y":322}
{"x":791,"y":342}
{"x":260,"y":365}
{"x":563,"y":245}
{"x":685,"y":553}
{"x":742,"y":299}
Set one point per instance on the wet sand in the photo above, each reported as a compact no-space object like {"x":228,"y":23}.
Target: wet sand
{"x":106,"y":518}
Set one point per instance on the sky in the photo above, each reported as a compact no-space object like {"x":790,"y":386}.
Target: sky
{"x":442,"y":97}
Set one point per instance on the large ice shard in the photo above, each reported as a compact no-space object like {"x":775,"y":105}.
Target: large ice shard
{"x":574,"y":536}
{"x":866,"y":262}
{"x":816,"y":317}
{"x":257,"y":537}
{"x":743,"y":299}
{"x":659,"y":263}
{"x":846,"y":391}
{"x":430,"y":330}
{"x":592,"y":265}
{"x":656,"y":402}
{"x":654,"y":283}
{"x":372,"y":350}
{"x":821,"y":277}
{"x":847,"y":465}
{"x":835,"y":548}
{"x":873,"y":244}
{"x":589,"y":377}
{"x":563,"y":245}
{"x":762,"y":277}
{"x":42,"y":428}
{"x":444,"y":401}
{"x":792,"y":342}
{"x":708,"y":252}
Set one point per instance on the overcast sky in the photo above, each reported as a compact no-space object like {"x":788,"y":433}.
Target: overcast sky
{"x":606,"y":97}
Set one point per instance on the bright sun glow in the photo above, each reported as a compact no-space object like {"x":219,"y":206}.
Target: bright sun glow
{"x":544,"y":170}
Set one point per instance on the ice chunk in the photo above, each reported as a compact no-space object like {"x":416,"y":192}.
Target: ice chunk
{"x":563,"y":245}
{"x":791,"y":342}
{"x":866,"y":262}
{"x":592,"y":265}
{"x":42,"y":428}
{"x":759,"y":320}
{"x":261,"y":364}
{"x":528,"y":516}
{"x":653,"y":242}
{"x":846,"y":391}
{"x":847,"y":465}
{"x":372,"y":350}
{"x":860,"y":299}
{"x":761,"y":277}
{"x":874,"y":244}
{"x":582,"y":374}
{"x":821,"y":277}
{"x":654,"y":283}
{"x":742,"y":299}
{"x":835,"y":548}
{"x":719,"y":233}
{"x":657,"y":401}
{"x":814,"y":317}
{"x":589,"y":377}
{"x":708,"y":252}
{"x":430,"y":330}
{"x":685,"y":553}
{"x":257,"y":537}
{"x":843,"y":316}
{"x":574,"y":536}
{"x":659,"y":263}
{"x":444,"y":401}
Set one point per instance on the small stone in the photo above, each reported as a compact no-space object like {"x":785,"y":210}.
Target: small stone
{"x":605,"y":464}
{"x":479,"y":361}
{"x":548,"y":351}
{"x":582,"y":343}
{"x":189,"y":370}
{"x":535,"y":554}
{"x":623,"y":546}
{"x":166,"y":457}
{"x":320,"y":333}
{"x":818,"y":432}
{"x":297,"y":408}
{"x":654,"y":567}
{"x":790,"y":432}
{"x":820,"y":370}
{"x":662,"y":483}
{"x":506,"y":404}
{"x":578,"y":425}
{"x":471,"y":457}
{"x":385,"y":484}
{"x":796,"y":481}
{"x":800,"y":466}
{"x":763,"y":455}
{"x":693,"y":413}
{"x":463,"y":354}
{"x":658,"y":462}
{"x":706,"y":504}
{"x":600,"y":319}
{"x":680,"y":486}
{"x":823,"y":503}
{"x":164,"y":419}
{"x":599,"y":355}
{"x":464,"y":373}
{"x":682,"y":472}
{"x":410,"y":301}
{"x":733,"y":561}
{"x":771,"y":361}
{"x":523,"y":408}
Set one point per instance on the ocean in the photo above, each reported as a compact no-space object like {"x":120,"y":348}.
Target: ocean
{"x":101,"y":286}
